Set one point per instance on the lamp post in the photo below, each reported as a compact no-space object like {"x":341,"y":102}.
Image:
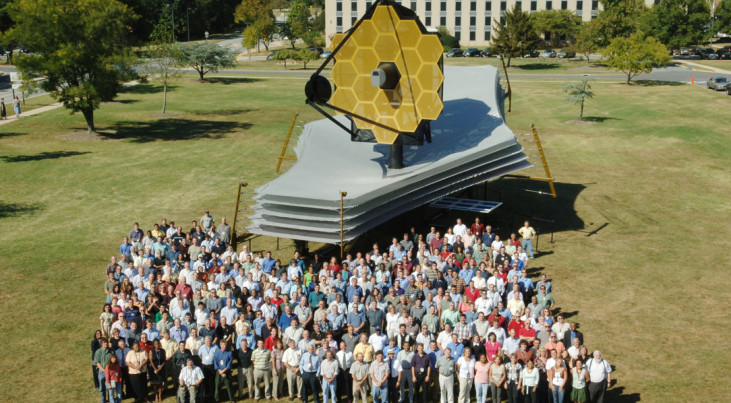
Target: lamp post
{"x":342,"y":214}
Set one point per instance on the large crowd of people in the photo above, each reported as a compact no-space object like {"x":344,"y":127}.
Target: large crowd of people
{"x":428,"y":317}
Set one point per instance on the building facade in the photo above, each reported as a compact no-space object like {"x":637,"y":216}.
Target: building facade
{"x":470,"y":21}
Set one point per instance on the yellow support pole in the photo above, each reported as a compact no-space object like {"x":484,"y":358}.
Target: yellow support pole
{"x":236,"y":213}
{"x":286,"y":143}
{"x":342,"y":223}
{"x":548,"y":177}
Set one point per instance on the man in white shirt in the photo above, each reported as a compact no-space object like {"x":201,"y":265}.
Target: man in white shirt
{"x":345,"y":360}
{"x":190,"y":379}
{"x":460,"y":229}
{"x":499,"y":332}
{"x":445,"y":336}
{"x":483,"y":303}
{"x":600,"y":377}
{"x":378,"y":340}
{"x":291,"y":361}
{"x":574,"y":349}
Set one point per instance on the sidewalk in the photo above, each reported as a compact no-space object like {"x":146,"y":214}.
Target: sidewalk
{"x":703,"y":67}
{"x":12,"y":118}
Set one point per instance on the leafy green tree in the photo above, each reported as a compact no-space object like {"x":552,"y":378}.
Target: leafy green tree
{"x":259,"y":19}
{"x":557,"y":23}
{"x":299,"y":20}
{"x":620,"y":18}
{"x":578,"y":93}
{"x":251,"y":38}
{"x":447,"y":39}
{"x":722,"y":16}
{"x":635,"y":55}
{"x":165,"y":58}
{"x":678,"y":23}
{"x":284,"y":55}
{"x":206,"y":57}
{"x":78,"y":46}
{"x":305,"y":56}
{"x":587,"y":39}
{"x":514,"y":38}
{"x":285,"y":31}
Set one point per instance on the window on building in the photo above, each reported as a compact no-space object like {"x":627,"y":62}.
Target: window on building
{"x":443,"y":21}
{"x":368,"y":5}
{"x":339,"y":21}
{"x":473,"y":6}
{"x":458,"y":6}
{"x":564,"y":5}
{"x":519,"y":4}
{"x":473,"y":21}
{"x":549,"y":5}
{"x":503,"y":5}
{"x":488,"y":6}
{"x":502,"y":21}
{"x":488,"y":21}
{"x":595,"y":5}
{"x":487,"y":35}
{"x":580,"y":5}
{"x":458,"y":35}
{"x":533,"y":5}
{"x":428,"y":5}
{"x":339,"y":6}
{"x":353,"y":6}
{"x":413,"y":6}
{"x":458,"y":21}
{"x":427,"y":21}
{"x":443,"y":6}
{"x":473,"y":35}
{"x":353,"y":20}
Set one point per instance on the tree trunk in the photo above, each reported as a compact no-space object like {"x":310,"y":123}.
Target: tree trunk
{"x":507,"y":79}
{"x":164,"y":97}
{"x":89,"y":116}
{"x":629,"y":77}
{"x":201,"y":73}
{"x":581,"y":113}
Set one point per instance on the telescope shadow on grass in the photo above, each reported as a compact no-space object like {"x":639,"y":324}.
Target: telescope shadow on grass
{"x":42,"y":156}
{"x":173,"y":129}
{"x":538,"y":66}
{"x":232,"y":80}
{"x":18,"y":209}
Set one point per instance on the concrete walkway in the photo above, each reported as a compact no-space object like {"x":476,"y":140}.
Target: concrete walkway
{"x":11,"y":113}
{"x":705,"y":67}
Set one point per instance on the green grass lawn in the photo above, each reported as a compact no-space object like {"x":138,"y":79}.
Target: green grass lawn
{"x":644,"y":287}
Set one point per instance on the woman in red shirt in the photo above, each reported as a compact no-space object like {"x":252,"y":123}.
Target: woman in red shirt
{"x":272,"y":339}
{"x":492,"y":346}
{"x":113,"y":378}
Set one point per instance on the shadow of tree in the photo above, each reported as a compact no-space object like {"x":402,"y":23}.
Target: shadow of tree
{"x":10,"y":134}
{"x":172,"y":129}
{"x":231,"y":80}
{"x":224,"y":112}
{"x":144,"y":89}
{"x":42,"y":156}
{"x":17,"y":209}
{"x":657,"y":83}
{"x":616,"y":394}
{"x":538,"y":66}
{"x":599,"y":119}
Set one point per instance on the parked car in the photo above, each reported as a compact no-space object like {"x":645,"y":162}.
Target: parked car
{"x":717,"y":83}
{"x":548,"y":53}
{"x":325,"y":54}
{"x":728,"y":89}
{"x":472,"y":52}
{"x":684,"y":51}
{"x":724,"y":54}
{"x":271,"y":55}
{"x":455,"y":52}
{"x":486,"y":52}
{"x":318,"y":50}
{"x":566,"y":53}
{"x":531,"y":53}
{"x":709,"y":53}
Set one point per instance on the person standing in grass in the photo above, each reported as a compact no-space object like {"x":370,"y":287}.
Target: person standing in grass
{"x":579,"y":380}
{"x":3,"y":111}
{"x":113,"y":378}
{"x":528,"y":382}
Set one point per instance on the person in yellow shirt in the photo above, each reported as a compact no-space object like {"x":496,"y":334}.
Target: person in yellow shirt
{"x":364,"y":348}
{"x":528,"y":234}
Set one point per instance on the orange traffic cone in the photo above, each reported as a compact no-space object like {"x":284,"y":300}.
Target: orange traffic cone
{"x":692,"y":80}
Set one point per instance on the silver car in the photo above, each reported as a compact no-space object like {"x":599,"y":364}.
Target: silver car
{"x":717,"y":83}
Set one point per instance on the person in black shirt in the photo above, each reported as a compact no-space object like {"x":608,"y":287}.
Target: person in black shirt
{"x":225,"y":332}
{"x":246,"y":369}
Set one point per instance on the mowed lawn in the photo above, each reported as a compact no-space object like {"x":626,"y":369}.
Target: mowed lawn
{"x":648,"y":287}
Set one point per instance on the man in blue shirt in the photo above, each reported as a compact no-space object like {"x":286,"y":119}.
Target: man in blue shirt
{"x":353,"y":289}
{"x":286,"y":319}
{"x":336,"y":319}
{"x":268,"y":263}
{"x":466,"y":273}
{"x":284,"y":284}
{"x":248,"y":336}
{"x":222,"y":364}
{"x":456,"y":347}
{"x":207,"y":352}
{"x":434,"y":354}
{"x":357,"y":318}
{"x":310,"y":366}
{"x":315,"y":297}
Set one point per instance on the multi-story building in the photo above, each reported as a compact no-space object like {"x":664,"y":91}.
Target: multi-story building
{"x":470,"y":21}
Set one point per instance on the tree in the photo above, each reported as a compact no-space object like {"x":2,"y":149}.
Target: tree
{"x":722,"y":17}
{"x":259,"y":19}
{"x":578,"y":93}
{"x":165,"y":57}
{"x":587,"y":39}
{"x":299,"y":20}
{"x":635,"y":55}
{"x":557,"y":23}
{"x":285,"y":31}
{"x":678,"y":23}
{"x":620,"y":18}
{"x":206,"y":57}
{"x":447,"y":39}
{"x":305,"y":56}
{"x":78,"y":46}
{"x":284,"y":55}
{"x":515,"y":38}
